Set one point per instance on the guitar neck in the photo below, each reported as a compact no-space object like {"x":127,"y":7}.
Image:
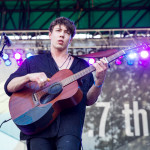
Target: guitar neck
{"x":90,"y":69}
{"x":115,"y":56}
{"x":78,"y":75}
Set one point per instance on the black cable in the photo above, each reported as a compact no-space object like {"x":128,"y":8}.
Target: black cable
{"x":5,"y":122}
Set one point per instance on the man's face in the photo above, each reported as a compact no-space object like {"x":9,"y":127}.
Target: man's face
{"x":60,"y":37}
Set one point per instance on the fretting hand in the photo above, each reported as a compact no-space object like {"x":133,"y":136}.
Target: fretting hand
{"x":101,"y":68}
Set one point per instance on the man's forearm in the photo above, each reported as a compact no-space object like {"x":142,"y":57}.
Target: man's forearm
{"x":93,"y":94}
{"x":17,"y":83}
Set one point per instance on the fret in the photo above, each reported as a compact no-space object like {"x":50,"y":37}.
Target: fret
{"x":78,"y":75}
{"x":116,"y":55}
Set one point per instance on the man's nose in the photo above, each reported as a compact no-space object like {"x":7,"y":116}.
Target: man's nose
{"x":62,"y":33}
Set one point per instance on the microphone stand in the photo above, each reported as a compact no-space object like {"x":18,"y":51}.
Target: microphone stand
{"x":1,"y":52}
{"x":4,"y":44}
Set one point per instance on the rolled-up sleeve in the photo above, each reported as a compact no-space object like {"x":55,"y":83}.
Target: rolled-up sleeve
{"x":21,"y":71}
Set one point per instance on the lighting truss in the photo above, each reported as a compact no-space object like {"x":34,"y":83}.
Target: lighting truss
{"x":87,"y":40}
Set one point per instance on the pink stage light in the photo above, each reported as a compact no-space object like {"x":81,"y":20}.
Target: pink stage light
{"x":19,"y":62}
{"x":91,"y":61}
{"x":144,"y":54}
{"x":118,"y":62}
{"x":18,"y":56}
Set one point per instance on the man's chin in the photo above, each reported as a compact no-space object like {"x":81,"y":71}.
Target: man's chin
{"x":61,"y":48}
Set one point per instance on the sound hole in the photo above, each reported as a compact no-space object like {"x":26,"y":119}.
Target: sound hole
{"x":53,"y":91}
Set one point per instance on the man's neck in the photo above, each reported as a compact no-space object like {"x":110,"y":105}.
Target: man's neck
{"x":58,"y":54}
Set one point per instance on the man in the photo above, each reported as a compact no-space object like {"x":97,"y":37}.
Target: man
{"x":65,"y":132}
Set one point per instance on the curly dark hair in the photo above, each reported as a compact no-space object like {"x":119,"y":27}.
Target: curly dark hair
{"x":64,"y":21}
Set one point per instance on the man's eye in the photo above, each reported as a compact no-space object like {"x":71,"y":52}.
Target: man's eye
{"x":68,"y":33}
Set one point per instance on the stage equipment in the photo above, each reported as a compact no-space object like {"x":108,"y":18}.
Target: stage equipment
{"x":118,"y":62}
{"x":6,"y":42}
{"x":144,"y":54}
{"x":17,"y":56}
{"x":29,"y":55}
{"x":91,"y":61}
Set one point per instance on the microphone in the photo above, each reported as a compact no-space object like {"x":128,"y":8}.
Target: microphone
{"x":7,"y":40}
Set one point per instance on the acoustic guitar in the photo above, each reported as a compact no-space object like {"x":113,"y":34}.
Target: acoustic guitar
{"x":33,"y":109}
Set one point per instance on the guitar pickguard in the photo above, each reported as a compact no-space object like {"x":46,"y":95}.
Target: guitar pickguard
{"x":53,"y":91}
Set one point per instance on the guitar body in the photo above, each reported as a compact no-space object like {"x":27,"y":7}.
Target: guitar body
{"x":33,"y":109}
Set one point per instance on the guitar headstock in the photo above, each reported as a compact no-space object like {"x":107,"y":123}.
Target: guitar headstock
{"x":137,"y":48}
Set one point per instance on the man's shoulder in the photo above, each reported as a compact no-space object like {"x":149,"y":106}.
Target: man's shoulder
{"x":81,"y":61}
{"x":38,"y":57}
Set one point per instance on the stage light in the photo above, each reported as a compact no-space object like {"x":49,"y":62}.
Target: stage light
{"x":118,"y":62}
{"x":7,"y":62}
{"x":144,"y":54}
{"x":132,"y":55}
{"x":91,"y":61}
{"x":120,"y":57}
{"x":29,"y":55}
{"x":5,"y":56}
{"x":130,"y":62}
{"x":17,"y":56}
{"x":143,"y":62}
{"x":19,"y":62}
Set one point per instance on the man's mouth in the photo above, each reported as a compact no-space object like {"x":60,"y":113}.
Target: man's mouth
{"x":60,"y":42}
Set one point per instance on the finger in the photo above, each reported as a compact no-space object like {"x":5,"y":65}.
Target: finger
{"x":105,"y":61}
{"x":98,"y":66}
{"x":41,"y":83}
{"x":41,"y":80}
{"x":101,"y":65}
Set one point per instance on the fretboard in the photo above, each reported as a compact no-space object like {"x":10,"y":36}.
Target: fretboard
{"x":78,"y":75}
{"x":90,"y":69}
{"x":115,"y":56}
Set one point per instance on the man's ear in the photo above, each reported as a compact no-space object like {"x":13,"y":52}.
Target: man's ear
{"x":70,"y":40}
{"x":50,"y":35}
